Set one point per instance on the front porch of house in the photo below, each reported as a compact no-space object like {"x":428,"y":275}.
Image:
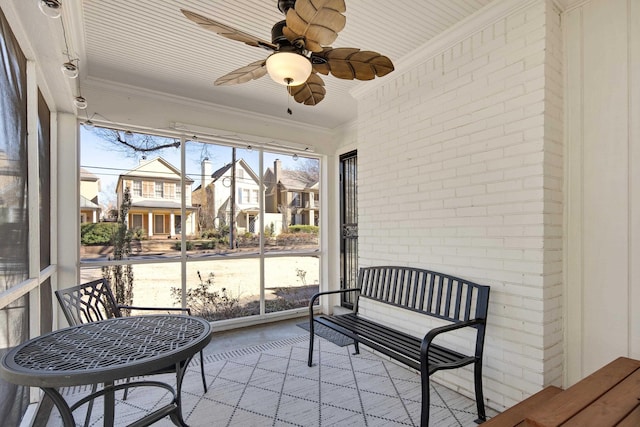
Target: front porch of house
{"x":505,"y":151}
{"x":259,"y":376}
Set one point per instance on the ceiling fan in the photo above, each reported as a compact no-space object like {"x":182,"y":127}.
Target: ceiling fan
{"x":300,"y":46}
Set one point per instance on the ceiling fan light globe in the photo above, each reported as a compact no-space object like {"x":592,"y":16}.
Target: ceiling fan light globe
{"x":288,"y":68}
{"x":50,"y":8}
{"x":70,"y":70}
{"x":80,"y":102}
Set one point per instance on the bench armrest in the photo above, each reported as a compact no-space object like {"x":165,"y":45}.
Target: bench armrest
{"x":433,"y":333}
{"x":337,"y":291}
{"x":130,"y":307}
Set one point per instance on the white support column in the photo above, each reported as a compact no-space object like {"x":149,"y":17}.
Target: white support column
{"x":95,"y":216}
{"x":172,"y":224}
{"x":150,"y":230}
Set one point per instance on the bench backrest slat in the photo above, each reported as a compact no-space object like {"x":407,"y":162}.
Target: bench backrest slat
{"x":437,"y":294}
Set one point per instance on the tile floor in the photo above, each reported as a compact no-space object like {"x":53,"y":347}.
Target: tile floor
{"x":259,"y":377}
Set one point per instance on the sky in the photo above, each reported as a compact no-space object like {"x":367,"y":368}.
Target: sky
{"x":107,"y":161}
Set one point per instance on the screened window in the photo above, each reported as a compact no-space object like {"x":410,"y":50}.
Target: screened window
{"x":14,"y":223}
{"x":215,"y":236}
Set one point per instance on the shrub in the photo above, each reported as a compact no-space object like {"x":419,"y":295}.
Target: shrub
{"x":139,"y":234}
{"x":269,"y":230}
{"x":210,"y":233}
{"x":311,"y":229}
{"x":178,"y":245}
{"x":297,"y":238}
{"x":208,"y":244}
{"x":210,"y":305}
{"x":97,"y":234}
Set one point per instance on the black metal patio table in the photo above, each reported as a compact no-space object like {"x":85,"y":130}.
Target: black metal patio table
{"x":106,"y":351}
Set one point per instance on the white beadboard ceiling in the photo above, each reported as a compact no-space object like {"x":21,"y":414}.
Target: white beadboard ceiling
{"x":151,"y":45}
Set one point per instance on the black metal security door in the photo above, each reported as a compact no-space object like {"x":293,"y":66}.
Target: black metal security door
{"x":348,"y":224}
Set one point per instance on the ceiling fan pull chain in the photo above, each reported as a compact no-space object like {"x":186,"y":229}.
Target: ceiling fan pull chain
{"x":289,"y":101}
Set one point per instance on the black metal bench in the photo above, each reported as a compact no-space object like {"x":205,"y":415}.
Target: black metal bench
{"x":457,"y":302}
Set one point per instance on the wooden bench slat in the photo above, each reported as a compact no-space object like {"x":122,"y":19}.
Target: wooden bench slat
{"x":631,"y":420}
{"x":613,"y":406}
{"x":566,"y":405}
{"x":516,"y":414}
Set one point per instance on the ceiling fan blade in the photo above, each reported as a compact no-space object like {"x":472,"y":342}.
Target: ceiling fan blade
{"x":227,"y":31}
{"x":253,"y":71}
{"x":351,"y":63}
{"x":310,"y":92}
{"x":317,"y":21}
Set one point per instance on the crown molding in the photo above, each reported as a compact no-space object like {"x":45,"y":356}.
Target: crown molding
{"x":486,"y":16}
{"x":108,"y":85}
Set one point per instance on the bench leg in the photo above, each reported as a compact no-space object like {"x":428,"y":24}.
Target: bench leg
{"x":477,"y":373}
{"x":311,"y":333}
{"x":426,"y":399}
{"x":357,"y":347}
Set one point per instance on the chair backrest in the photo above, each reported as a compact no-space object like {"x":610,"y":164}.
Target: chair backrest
{"x":88,"y":302}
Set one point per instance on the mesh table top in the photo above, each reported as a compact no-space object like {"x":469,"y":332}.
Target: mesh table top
{"x":105,"y":351}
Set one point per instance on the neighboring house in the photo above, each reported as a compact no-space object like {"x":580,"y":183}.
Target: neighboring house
{"x":89,"y":189}
{"x":292,"y":193}
{"x":155,"y":198}
{"x":213,"y":197}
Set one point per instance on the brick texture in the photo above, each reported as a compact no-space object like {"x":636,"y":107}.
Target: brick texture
{"x":460,"y":170}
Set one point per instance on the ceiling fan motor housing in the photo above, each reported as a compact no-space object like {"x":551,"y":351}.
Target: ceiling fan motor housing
{"x":284,"y":45}
{"x":284,"y":5}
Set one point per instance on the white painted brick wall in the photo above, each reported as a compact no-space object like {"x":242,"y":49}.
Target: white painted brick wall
{"x":460,"y":170}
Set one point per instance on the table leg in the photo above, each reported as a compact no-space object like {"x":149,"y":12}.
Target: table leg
{"x":109,"y":404}
{"x":61,"y":404}
{"x":176,"y":417}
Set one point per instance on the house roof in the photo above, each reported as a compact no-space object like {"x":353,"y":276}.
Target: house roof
{"x":88,"y":204}
{"x":294,"y":180}
{"x":223,"y":170}
{"x":142,"y":170}
{"x":85,"y":175}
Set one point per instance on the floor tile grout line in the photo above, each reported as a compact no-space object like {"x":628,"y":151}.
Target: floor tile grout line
{"x":446,"y":405}
{"x":318,"y":347}
{"x":398,"y":392}
{"x":284,"y":380}
{"x":200,"y":397}
{"x":246,"y":385}
{"x":355,"y":379}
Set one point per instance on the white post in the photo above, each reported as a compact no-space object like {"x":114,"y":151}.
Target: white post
{"x":150,"y":231}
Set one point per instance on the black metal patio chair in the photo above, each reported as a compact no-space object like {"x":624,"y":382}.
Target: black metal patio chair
{"x":94,"y":301}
